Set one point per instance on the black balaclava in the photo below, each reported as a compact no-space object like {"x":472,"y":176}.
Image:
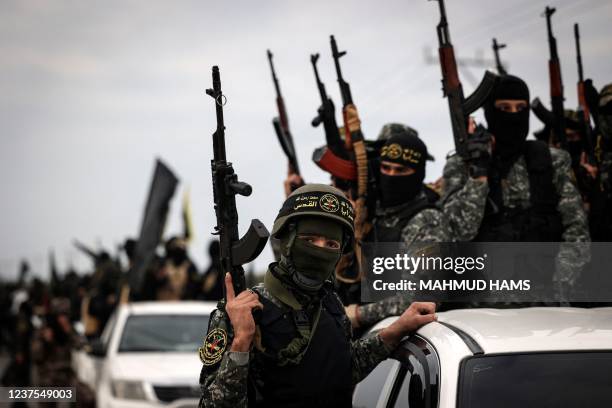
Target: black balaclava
{"x":510,"y":129}
{"x":175,"y":251}
{"x":307,"y":265}
{"x":408,"y":150}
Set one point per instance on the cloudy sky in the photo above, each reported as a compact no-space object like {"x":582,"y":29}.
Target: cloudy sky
{"x":92,"y":92}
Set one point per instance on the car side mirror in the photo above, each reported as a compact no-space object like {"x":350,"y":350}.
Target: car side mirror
{"x":96,"y":348}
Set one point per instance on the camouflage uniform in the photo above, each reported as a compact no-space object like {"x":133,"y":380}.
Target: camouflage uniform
{"x":426,"y":224}
{"x":225,"y":383}
{"x":464,"y":200}
{"x":302,"y":353}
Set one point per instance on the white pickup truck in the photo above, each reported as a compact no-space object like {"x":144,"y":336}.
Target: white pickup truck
{"x":147,"y":355}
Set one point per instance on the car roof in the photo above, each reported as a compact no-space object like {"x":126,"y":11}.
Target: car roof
{"x":170,"y":307}
{"x":530,"y":329}
{"x":534,"y":329}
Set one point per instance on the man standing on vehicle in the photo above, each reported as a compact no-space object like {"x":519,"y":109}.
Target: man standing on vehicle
{"x":405,"y":211}
{"x":515,"y":190}
{"x":299,"y":353}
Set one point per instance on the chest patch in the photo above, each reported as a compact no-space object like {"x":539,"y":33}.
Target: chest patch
{"x":214,"y":346}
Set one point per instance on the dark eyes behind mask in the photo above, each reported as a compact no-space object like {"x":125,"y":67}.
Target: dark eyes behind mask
{"x":312,"y":265}
{"x":312,"y":262}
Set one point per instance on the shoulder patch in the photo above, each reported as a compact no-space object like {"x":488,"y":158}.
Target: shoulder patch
{"x":214,"y":346}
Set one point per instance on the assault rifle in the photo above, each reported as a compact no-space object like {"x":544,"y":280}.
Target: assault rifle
{"x":556,"y":118}
{"x":332,"y":157}
{"x":583,"y":106}
{"x":345,"y":93}
{"x":234,"y":251}
{"x":498,"y":64}
{"x":354,"y":142}
{"x":460,"y":107}
{"x":281,"y":124}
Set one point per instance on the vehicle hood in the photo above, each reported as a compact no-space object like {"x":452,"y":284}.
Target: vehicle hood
{"x":157,"y":368}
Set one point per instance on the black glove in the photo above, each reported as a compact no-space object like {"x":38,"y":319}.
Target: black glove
{"x":479,"y":152}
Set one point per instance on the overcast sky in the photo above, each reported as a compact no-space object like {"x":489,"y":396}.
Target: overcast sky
{"x":92,"y":92}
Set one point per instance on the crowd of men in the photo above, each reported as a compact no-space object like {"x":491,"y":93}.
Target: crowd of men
{"x":44,"y":321}
{"x":277,"y":345}
{"x":509,"y":189}
{"x":294,"y":339}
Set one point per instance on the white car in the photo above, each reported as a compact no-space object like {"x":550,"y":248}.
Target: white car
{"x":147,"y":355}
{"x":472,"y":358}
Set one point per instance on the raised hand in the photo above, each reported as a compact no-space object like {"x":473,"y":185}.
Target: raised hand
{"x":240,"y":311}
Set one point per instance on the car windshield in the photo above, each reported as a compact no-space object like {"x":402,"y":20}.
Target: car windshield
{"x":163,"y":333}
{"x":537,"y":380}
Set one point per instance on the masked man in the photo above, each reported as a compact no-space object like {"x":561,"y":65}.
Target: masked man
{"x":512,"y":189}
{"x":405,"y":212}
{"x":299,"y":352}
{"x":602,"y":228}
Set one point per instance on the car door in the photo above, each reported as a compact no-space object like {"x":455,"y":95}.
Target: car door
{"x":411,"y":378}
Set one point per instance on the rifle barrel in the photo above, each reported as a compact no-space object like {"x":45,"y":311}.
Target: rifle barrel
{"x":219,"y":135}
{"x":345,"y":90}
{"x":578,"y":53}
{"x":442,"y":28}
{"x":551,"y":38}
{"x":274,"y":78}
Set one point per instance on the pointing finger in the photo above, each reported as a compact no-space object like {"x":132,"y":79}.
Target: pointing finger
{"x":229,"y":287}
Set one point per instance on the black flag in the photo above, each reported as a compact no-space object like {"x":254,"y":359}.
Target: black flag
{"x":156,"y":210}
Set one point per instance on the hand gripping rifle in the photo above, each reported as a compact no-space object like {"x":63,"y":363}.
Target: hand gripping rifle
{"x":498,"y":64}
{"x":234,"y":251}
{"x":332,"y":157}
{"x":281,"y":124}
{"x":583,"y":106}
{"x":460,"y":108}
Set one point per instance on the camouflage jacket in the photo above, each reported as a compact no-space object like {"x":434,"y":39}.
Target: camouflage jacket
{"x":464,"y":200}
{"x":428,"y":225}
{"x":605,"y":172}
{"x":225,"y":383}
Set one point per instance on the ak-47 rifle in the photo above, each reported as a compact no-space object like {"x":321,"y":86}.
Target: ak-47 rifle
{"x":583,"y":106}
{"x":354,"y":142}
{"x":345,"y":93}
{"x":281,"y":124}
{"x":460,"y":107}
{"x":234,"y":251}
{"x":556,"y":84}
{"x":498,"y":64}
{"x":332,"y":157}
